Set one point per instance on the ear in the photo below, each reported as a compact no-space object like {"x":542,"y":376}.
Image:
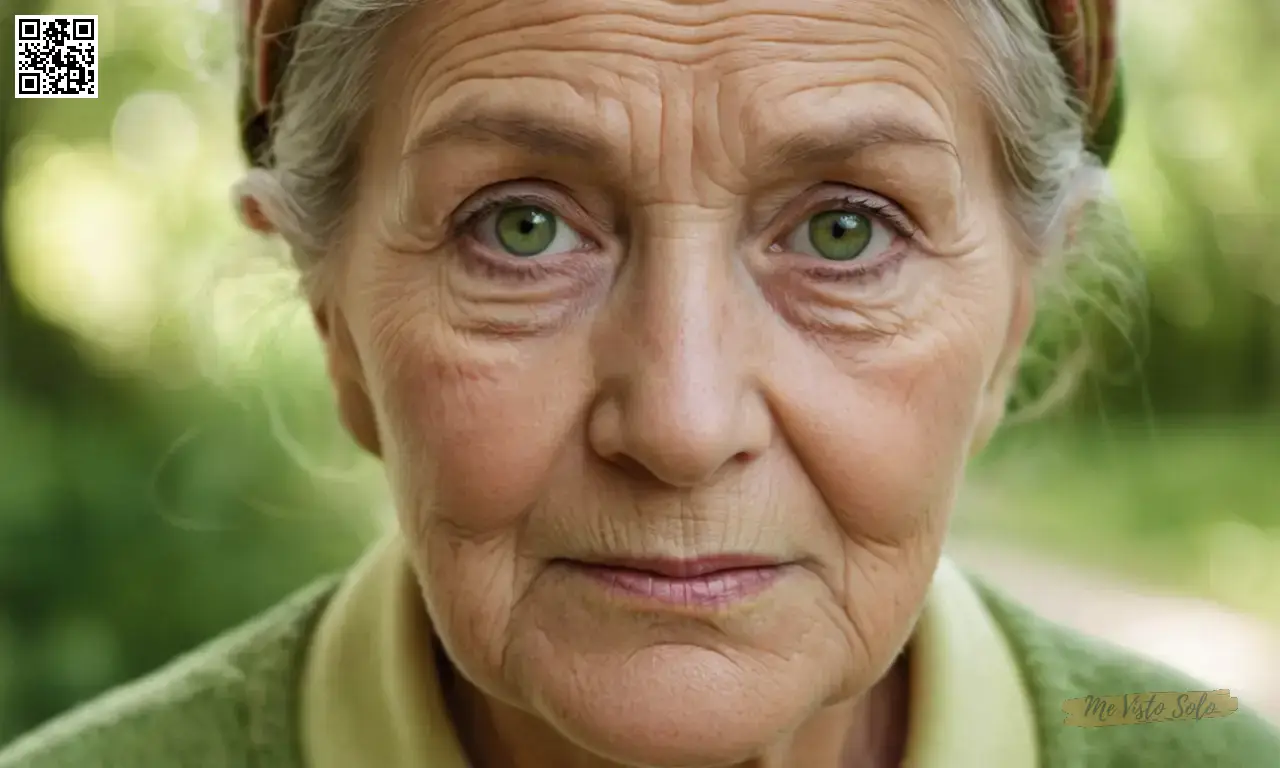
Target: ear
{"x":355,"y":408}
{"x":254,"y":217}
{"x":995,"y":395}
{"x":1091,"y":183}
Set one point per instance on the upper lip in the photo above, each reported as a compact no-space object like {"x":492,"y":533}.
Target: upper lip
{"x":677,"y":568}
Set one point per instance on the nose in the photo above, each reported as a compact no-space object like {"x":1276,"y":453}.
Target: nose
{"x":678,"y":359}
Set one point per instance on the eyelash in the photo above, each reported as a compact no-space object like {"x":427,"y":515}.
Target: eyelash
{"x":532,"y":270}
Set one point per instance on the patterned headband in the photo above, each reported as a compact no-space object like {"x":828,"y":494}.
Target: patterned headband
{"x":1083,"y":31}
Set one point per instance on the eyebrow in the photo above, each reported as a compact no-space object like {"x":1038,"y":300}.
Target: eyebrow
{"x":532,"y":134}
{"x":834,"y":146}
{"x":540,"y":136}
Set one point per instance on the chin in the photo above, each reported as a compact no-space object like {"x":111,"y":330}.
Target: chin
{"x":674,"y":706}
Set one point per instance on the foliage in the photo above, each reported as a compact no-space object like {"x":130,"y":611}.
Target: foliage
{"x":137,"y":516}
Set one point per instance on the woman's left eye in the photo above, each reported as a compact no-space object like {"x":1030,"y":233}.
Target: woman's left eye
{"x":840,"y":235}
{"x":526,"y":232}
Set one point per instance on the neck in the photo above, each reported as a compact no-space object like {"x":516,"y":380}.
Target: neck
{"x":869,"y":732}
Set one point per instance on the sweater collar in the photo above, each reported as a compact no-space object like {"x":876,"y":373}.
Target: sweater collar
{"x":371,"y":697}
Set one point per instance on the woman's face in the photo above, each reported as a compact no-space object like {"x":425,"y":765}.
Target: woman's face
{"x":674,"y":323}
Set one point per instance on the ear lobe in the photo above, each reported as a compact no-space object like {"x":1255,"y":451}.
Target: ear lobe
{"x":355,"y":408}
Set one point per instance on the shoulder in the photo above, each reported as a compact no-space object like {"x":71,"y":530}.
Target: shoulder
{"x":1060,"y":664}
{"x":209,"y":709}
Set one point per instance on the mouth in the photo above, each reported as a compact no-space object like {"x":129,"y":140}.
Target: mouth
{"x":702,"y":582}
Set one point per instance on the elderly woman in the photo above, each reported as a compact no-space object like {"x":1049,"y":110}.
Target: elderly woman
{"x":674,"y":324}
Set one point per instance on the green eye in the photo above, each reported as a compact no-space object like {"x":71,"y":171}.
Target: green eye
{"x":840,"y":235}
{"x":525,"y":230}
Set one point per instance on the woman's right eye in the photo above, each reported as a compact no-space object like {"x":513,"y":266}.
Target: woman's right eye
{"x":526,"y":231}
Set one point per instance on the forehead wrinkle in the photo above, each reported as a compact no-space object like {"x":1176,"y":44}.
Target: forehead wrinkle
{"x":670,"y":30}
{"x":586,"y":142}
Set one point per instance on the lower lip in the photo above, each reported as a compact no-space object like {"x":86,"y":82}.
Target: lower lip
{"x":708,"y":590}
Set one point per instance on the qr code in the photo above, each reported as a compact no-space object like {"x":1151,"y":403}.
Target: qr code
{"x":56,"y":57}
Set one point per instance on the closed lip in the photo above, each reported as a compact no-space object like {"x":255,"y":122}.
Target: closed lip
{"x":677,"y":568}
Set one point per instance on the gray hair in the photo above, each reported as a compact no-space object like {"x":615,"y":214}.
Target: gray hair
{"x":325,"y":102}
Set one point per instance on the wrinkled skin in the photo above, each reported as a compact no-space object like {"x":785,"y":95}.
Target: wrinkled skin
{"x":682,"y":379}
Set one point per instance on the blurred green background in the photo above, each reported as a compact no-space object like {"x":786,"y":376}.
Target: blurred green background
{"x":170,"y":465}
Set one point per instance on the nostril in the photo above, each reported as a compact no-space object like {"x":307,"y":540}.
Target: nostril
{"x":667,"y":474}
{"x":634,"y":469}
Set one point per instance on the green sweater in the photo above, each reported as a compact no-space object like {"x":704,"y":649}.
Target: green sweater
{"x":234,"y":704}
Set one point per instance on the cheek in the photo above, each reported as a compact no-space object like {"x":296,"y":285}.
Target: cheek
{"x":471,"y":427}
{"x":883,"y":431}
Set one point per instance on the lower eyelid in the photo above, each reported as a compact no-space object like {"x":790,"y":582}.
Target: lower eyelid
{"x":859,"y":272}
